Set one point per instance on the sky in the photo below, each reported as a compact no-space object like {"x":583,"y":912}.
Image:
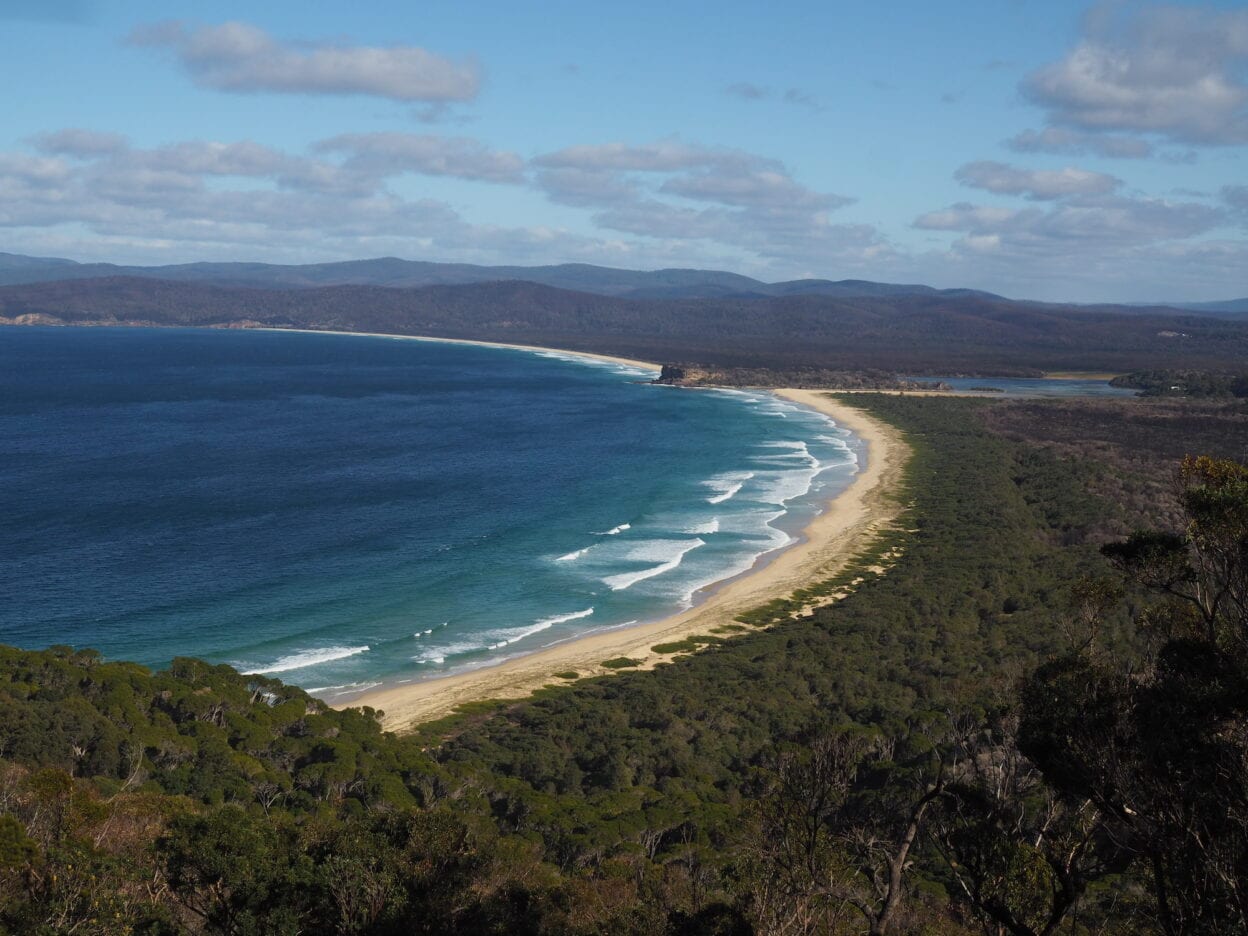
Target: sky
{"x":1051,"y":150}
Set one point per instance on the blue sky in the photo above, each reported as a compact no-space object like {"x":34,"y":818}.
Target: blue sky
{"x":1049,"y":150}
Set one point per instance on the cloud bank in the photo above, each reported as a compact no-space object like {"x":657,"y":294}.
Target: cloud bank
{"x":242,"y":58}
{"x":1177,"y":72}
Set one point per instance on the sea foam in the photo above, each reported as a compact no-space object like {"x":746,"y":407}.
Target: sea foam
{"x":512,"y":636}
{"x":675,"y":551}
{"x":727,"y":485}
{"x":306,"y":658}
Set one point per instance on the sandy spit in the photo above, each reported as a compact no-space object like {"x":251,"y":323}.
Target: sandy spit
{"x":643,"y":365}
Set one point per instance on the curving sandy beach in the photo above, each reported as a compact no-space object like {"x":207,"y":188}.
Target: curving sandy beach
{"x":610,"y":358}
{"x":828,"y":542}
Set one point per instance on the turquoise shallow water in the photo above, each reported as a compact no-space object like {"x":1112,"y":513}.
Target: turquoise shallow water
{"x":343,"y":511}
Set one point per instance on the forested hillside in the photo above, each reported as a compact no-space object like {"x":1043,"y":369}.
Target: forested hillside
{"x":861,"y":769}
{"x":906,"y":333}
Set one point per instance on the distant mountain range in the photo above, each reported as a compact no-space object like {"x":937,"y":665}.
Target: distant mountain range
{"x":395,"y":273}
{"x":1226,"y":307}
{"x":928,"y":332}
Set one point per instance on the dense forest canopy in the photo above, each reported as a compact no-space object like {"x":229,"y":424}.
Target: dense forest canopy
{"x":931,"y":333}
{"x":1033,"y":722}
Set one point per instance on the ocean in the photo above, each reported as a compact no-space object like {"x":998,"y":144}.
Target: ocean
{"x":343,"y":512}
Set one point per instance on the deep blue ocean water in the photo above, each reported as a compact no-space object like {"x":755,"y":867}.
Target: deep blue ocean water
{"x":341,"y":511}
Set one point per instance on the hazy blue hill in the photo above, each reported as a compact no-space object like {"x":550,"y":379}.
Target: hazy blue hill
{"x":388,"y":271}
{"x":1227,"y":306}
{"x":397,"y":273}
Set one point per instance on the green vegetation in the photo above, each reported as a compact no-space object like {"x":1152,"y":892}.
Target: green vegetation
{"x":569,"y":674}
{"x":620,"y":663}
{"x":864,"y":769}
{"x":688,"y":645}
{"x":696,"y":375}
{"x":1185,"y":383}
{"x":778,"y":338}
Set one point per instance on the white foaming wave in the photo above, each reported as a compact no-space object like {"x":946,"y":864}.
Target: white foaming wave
{"x":615,"y":366}
{"x":306,"y":658}
{"x":850,"y":459}
{"x":629,"y":579}
{"x":780,"y":487}
{"x":573,"y":556}
{"x":785,"y":460}
{"x":504,"y":638}
{"x":834,"y":442}
{"x":660,"y":550}
{"x":564,"y":618}
{"x":799,"y":446}
{"x":701,"y":529}
{"x":615,"y":531}
{"x":726,"y":486}
{"x":775,"y":539}
{"x":429,"y":630}
{"x":439,"y":654}
{"x":359,"y":687}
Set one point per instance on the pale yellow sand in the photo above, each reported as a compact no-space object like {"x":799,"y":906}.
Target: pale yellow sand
{"x":830,"y":540}
{"x":645,"y":365}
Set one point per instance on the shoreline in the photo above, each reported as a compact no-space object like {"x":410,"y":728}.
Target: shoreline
{"x":606,"y":358}
{"x":826,"y":544}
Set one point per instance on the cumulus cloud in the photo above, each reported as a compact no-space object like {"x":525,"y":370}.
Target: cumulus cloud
{"x":1236,"y":196}
{"x":232,"y":200}
{"x":385,"y":154}
{"x":1063,"y":142}
{"x":768,"y":188}
{"x":1036,"y":184}
{"x":581,"y":187}
{"x":1087,"y":248}
{"x":240,"y":57}
{"x":74,"y":141}
{"x":721,"y":196}
{"x":1178,"y":72}
{"x":1236,"y":199}
{"x":665,"y":156}
{"x":964,"y":217}
{"x":1097,"y":224}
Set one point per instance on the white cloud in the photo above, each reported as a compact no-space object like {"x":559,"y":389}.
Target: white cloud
{"x":750,"y":188}
{"x":1065,"y":142}
{"x":81,"y":143}
{"x":1178,"y":72}
{"x":1036,"y":184}
{"x":394,"y":153}
{"x":1078,"y":227}
{"x":240,"y":57}
{"x":964,"y":217}
{"x":724,"y":196}
{"x":666,"y":156}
